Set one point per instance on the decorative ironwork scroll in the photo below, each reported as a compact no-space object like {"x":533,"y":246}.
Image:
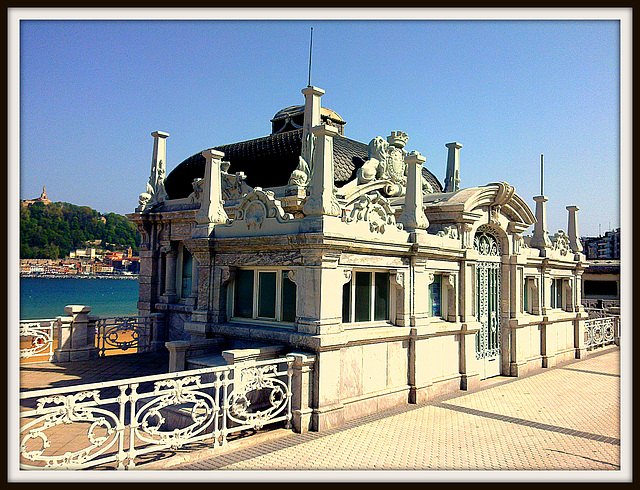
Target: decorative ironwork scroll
{"x":36,"y":338}
{"x":124,"y":333}
{"x":599,"y":332}
{"x":115,"y":423}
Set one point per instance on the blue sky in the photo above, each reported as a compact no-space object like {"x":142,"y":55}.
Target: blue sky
{"x":92,"y":91}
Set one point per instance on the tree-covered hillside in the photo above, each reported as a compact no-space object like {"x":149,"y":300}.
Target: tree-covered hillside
{"x":52,"y":231}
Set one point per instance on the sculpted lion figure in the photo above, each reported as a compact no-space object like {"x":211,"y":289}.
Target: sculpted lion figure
{"x":372,"y":169}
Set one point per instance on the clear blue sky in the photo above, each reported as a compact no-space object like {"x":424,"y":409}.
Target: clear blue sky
{"x":91,"y":92}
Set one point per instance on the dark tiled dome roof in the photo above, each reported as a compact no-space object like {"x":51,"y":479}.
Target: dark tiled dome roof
{"x":269,"y":162}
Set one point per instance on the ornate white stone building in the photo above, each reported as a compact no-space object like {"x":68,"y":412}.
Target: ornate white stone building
{"x":395,"y":288}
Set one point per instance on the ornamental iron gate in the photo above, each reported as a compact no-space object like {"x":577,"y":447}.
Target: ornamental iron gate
{"x":488,"y":303}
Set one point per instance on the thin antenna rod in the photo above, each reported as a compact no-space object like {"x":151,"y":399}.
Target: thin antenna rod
{"x":542,"y":175}
{"x":310,"y":48}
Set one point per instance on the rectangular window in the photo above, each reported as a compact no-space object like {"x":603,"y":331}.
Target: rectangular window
{"x":435,"y":296}
{"x":267,"y":295}
{"x":525,"y":295}
{"x":288,"y":298}
{"x":556,"y":293}
{"x":187,"y":273}
{"x":243,"y":307}
{"x":366,"y":297}
{"x":264,"y":294}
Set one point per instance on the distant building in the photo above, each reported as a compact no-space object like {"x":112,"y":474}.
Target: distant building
{"x":42,"y":199}
{"x":603,"y":247}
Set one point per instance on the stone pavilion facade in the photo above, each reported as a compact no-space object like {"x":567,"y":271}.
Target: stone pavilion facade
{"x":390,"y":286}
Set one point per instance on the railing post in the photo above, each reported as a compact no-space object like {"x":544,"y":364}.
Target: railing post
{"x":301,"y":391}
{"x":579,"y":331}
{"x":177,"y":354}
{"x":76,"y":335}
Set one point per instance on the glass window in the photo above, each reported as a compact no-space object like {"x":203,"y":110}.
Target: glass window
{"x":243,"y":307}
{"x":556,"y":293}
{"x":187,"y":273}
{"x":381,"y":299}
{"x":435,"y":289}
{"x":525,"y":295}
{"x":366,"y":297}
{"x":363,"y":297}
{"x":267,"y":294}
{"x":288,"y":298}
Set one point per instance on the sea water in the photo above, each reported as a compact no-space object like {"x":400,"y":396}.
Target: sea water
{"x":47,"y":297}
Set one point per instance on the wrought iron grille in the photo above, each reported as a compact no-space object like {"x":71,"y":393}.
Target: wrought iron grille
{"x":488,"y":294}
{"x":117,"y":423}
{"x":131,"y":334}
{"x":599,"y":332}
{"x":36,"y":338}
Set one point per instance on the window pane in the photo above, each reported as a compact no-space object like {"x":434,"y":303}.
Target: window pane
{"x":267,"y":294}
{"x":381,"y":301}
{"x":363,"y":297}
{"x":244,"y":294}
{"x":346,"y":303}
{"x":288,"y":299}
{"x":559,"y":293}
{"x":526,"y":295}
{"x":434,"y":294}
{"x":187,"y":272}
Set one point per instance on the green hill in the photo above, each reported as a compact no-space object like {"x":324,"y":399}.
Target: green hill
{"x":51,"y":231}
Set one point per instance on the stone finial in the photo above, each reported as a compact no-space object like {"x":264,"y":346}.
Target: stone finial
{"x":322,"y":200}
{"x":211,"y":209}
{"x":540,"y":238}
{"x":452,"y":180}
{"x":413,"y":216}
{"x":572,"y":227}
{"x":155,"y":191}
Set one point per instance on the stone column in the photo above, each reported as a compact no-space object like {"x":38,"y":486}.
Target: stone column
{"x":413,"y":217}
{"x":194,"y":281}
{"x":76,"y":335}
{"x":211,"y":210}
{"x":572,"y":227}
{"x":452,"y":181}
{"x":540,"y":238}
{"x":159,"y":331}
{"x":302,"y":391}
{"x":322,"y":200}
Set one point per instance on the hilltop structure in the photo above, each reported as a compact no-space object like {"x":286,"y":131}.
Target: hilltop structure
{"x":355,"y":255}
{"x":42,"y":199}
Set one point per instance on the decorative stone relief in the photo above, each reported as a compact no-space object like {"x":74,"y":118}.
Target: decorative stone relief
{"x":562,"y":243}
{"x":387,"y":162}
{"x":494,"y":214}
{"x":198,"y":189}
{"x":233,"y":185}
{"x":450,"y":231}
{"x":155,"y":193}
{"x":374,"y":209}
{"x":397,"y":279}
{"x":465,"y":229}
{"x":302,"y":174}
{"x":504,"y":193}
{"x":258,"y":206}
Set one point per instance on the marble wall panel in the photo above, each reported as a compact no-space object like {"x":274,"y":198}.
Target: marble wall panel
{"x":351,"y":371}
{"x":374,"y":367}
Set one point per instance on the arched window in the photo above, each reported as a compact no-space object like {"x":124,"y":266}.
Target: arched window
{"x":486,"y":242}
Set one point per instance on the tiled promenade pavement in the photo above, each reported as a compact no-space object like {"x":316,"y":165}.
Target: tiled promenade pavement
{"x":563,"y":418}
{"x":42,"y":375}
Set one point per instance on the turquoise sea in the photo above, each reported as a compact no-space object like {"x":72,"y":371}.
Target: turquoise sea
{"x":47,"y":297}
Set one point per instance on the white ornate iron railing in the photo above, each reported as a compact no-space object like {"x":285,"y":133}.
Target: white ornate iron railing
{"x":131,"y":334}
{"x":118,"y":422}
{"x":599,"y":332}
{"x":36,"y":338}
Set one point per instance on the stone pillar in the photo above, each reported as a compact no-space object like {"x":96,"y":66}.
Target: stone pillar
{"x":572,"y":227}
{"x":322,"y":200}
{"x":449,"y":282}
{"x":170,"y":294}
{"x":177,"y":355}
{"x":469,"y":365}
{"x":211,"y":210}
{"x":452,"y":180}
{"x":195,"y":272}
{"x":311,"y":119}
{"x":76,"y":335}
{"x":302,"y":391}
{"x":540,"y":238}
{"x":158,"y":331}
{"x":413,"y":217}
